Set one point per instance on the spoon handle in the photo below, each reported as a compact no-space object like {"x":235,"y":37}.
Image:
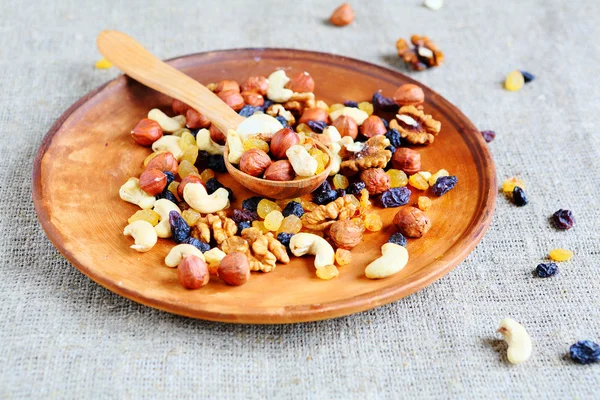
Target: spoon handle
{"x":137,"y":62}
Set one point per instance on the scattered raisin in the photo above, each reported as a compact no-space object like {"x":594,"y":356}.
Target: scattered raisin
{"x":394,"y":137}
{"x":519,"y":197}
{"x":585,"y":352}
{"x":527,"y":76}
{"x":385,"y":123}
{"x":350,"y":103}
{"x":444,"y":184}
{"x":293,"y":208}
{"x":167,"y":194}
{"x":546,"y":270}
{"x":251,"y":203}
{"x":213,"y":184}
{"x":563,"y":219}
{"x":284,"y":238}
{"x":203,"y":156}
{"x":244,"y":215}
{"x":248,"y":110}
{"x":395,"y":197}
{"x":383,"y":103}
{"x":398,"y":238}
{"x":268,"y":103}
{"x":282,"y":120}
{"x":170,"y":177}
{"x":317,"y":126}
{"x":488,"y":136}
{"x":355,"y":187}
{"x":180,"y":230}
{"x":199,"y":244}
{"x":324,"y":194}
{"x":243,"y":225}
{"x":216,"y":163}
{"x":340,"y":192}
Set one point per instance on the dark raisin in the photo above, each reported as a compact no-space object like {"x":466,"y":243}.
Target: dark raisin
{"x":444,"y":184}
{"x":281,"y":120}
{"x":488,"y":136}
{"x":170,"y":177}
{"x":194,"y":132}
{"x":350,"y":103}
{"x":385,"y":123}
{"x":213,"y":184}
{"x":585,"y":352}
{"x":527,"y":76}
{"x":398,"y":238}
{"x":268,"y":103}
{"x":324,"y":194}
{"x":394,"y":137}
{"x":284,"y":238}
{"x":293,"y":208}
{"x":199,"y":244}
{"x":244,"y":215}
{"x":563,"y":219}
{"x":251,"y":203}
{"x":340,"y":192}
{"x":317,"y":126}
{"x":180,"y":230}
{"x":546,"y":270}
{"x":248,"y":110}
{"x":355,"y":187}
{"x":392,"y":149}
{"x":167,"y":194}
{"x":243,"y":225}
{"x":519,"y":197}
{"x":203,"y":155}
{"x":216,"y":163}
{"x":383,"y":103}
{"x":395,"y":197}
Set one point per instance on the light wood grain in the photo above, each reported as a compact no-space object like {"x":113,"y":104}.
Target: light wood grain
{"x":89,"y":153}
{"x":132,"y":58}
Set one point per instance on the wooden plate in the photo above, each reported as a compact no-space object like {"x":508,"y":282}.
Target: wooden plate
{"x":88,"y":154}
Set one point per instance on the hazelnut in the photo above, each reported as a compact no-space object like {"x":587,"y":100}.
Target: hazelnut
{"x":373,"y":126}
{"x":227,"y":85}
{"x":153,"y":181}
{"x":301,"y":83}
{"x":232,"y":98}
{"x":234,"y":269}
{"x":409,"y":95}
{"x":376,"y":180}
{"x":253,"y":99}
{"x":346,"y":126}
{"x":346,"y":234}
{"x":342,"y":15}
{"x":164,"y":162}
{"x":146,"y":132}
{"x":254,"y":162}
{"x":185,"y":181}
{"x":256,"y":84}
{"x":412,"y":222}
{"x":195,"y":120}
{"x":314,"y":114}
{"x":179,"y":107}
{"x":283,"y":140}
{"x":216,"y":135}
{"x":280,"y":171}
{"x":407,"y":160}
{"x":192,"y":272}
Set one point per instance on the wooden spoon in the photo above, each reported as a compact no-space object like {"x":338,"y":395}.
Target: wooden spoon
{"x":133,"y":59}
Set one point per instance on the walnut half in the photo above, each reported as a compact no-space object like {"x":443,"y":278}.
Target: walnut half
{"x":415,"y":126}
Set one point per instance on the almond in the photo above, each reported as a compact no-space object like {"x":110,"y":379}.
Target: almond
{"x":373,"y":126}
{"x":254,"y":162}
{"x":409,"y":95}
{"x":346,"y":126}
{"x":301,"y":83}
{"x":314,"y":114}
{"x":232,"y":98}
{"x":283,"y":140}
{"x":234,"y":269}
{"x":256,"y":84}
{"x":280,"y":171}
{"x":164,"y":162}
{"x":153,"y":181}
{"x":216,"y":135}
{"x":253,"y":99}
{"x":146,"y":132}
{"x":192,"y":272}
{"x":342,"y":16}
{"x":195,"y":120}
{"x":179,"y":107}
{"x":407,"y":160}
{"x":227,"y":85}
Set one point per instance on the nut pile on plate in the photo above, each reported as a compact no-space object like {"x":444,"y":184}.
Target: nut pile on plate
{"x":371,"y":166}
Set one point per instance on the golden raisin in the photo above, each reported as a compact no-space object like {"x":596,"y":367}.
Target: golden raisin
{"x":561,"y":255}
{"x":340,"y":181}
{"x":308,"y":205}
{"x":321,"y":157}
{"x":273,"y":220}
{"x":373,"y":222}
{"x":189,"y":147}
{"x":433,"y":178}
{"x":150,"y":216}
{"x":103,"y":63}
{"x":366,"y":107}
{"x":187,"y":168}
{"x":260,"y":226}
{"x":334,"y":107}
{"x":418,"y":181}
{"x":343,"y":257}
{"x":364,"y":200}
{"x":514,"y":81}
{"x":424,"y":203}
{"x":509,"y":184}
{"x":191,"y":216}
{"x":265,"y":206}
{"x":253,"y":143}
{"x":173,"y":188}
{"x":290,"y":224}
{"x":397,"y":178}
{"x":207,"y":174}
{"x":327,"y":272}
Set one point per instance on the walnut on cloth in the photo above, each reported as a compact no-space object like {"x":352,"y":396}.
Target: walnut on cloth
{"x":218,"y":225}
{"x":424,"y":55}
{"x":415,"y":126}
{"x":323,"y":216}
{"x":372,"y":155}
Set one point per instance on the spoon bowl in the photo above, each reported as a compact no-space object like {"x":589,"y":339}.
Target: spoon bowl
{"x":279,"y":189}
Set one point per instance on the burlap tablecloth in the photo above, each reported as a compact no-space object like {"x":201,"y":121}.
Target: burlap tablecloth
{"x":63,"y":336}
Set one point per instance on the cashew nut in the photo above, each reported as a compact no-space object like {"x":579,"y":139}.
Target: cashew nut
{"x":214,"y":256}
{"x":163,"y":207}
{"x":336,"y":159}
{"x":354,"y":147}
{"x":182,"y":250}
{"x":167,"y":123}
{"x":407,"y":119}
{"x":143,"y":233}
{"x":169,"y":143}
{"x":277,"y":91}
{"x":133,"y":193}
{"x":205,"y":143}
{"x":302,"y":162}
{"x":258,"y":123}
{"x":356,"y":114}
{"x":236,"y":148}
{"x":196,"y":196}
{"x":518,"y":340}
{"x":332,"y":133}
{"x":393,"y":258}
{"x":309,"y":243}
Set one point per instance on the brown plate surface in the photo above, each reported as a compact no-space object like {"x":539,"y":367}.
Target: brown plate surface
{"x":88,"y":154}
